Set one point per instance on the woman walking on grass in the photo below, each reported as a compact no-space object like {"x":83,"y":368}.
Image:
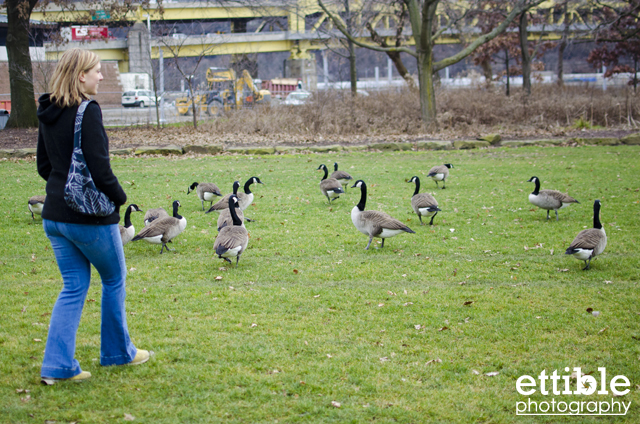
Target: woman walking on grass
{"x":80,"y":240}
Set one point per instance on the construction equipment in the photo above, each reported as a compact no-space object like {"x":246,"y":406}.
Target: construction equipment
{"x":225,"y":91}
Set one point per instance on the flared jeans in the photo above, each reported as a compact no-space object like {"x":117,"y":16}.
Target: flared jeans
{"x":76,"y":248}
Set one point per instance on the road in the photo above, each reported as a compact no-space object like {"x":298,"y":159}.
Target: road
{"x":121,"y":116}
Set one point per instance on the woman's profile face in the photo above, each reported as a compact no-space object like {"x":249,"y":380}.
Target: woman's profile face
{"x":90,"y":80}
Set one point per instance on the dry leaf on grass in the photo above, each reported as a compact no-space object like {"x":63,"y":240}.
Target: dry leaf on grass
{"x":595,"y":313}
{"x":384,"y":359}
{"x":475,"y":372}
{"x":467,"y":303}
{"x":407,"y":304}
{"x":434,"y":361}
{"x":443,"y":328}
{"x":603,"y":330}
{"x":335,"y":404}
{"x":219,"y":277}
{"x":417,"y":326}
{"x":492,"y":373}
{"x":589,"y":310}
{"x":129,"y":417}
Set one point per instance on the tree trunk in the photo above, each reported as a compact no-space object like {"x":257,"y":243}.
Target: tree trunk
{"x":487,"y":71}
{"x":635,"y":75}
{"x":562,"y":46}
{"x":526,"y":57}
{"x":427,"y":88}
{"x":506,"y":64}
{"x":23,"y":105}
{"x":353,"y":72}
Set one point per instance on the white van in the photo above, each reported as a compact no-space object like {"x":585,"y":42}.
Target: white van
{"x":138,"y":98}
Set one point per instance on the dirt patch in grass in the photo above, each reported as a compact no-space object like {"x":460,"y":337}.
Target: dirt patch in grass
{"x":337,"y":118}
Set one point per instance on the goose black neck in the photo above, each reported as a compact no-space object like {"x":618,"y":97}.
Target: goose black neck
{"x":326,"y":173}
{"x":417,"y":181}
{"x":596,"y":216}
{"x":236,"y":186}
{"x":232,"y":211}
{"x":246,"y":186}
{"x":127,"y":217}
{"x":363,"y":197}
{"x":175,"y":211}
{"x":335,"y":166}
{"x":537,"y":190}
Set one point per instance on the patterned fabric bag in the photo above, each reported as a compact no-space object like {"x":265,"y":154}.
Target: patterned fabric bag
{"x":80,"y":193}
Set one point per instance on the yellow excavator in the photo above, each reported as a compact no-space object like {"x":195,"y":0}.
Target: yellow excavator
{"x":225,"y":91}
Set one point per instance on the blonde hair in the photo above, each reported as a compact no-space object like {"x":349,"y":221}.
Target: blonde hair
{"x":65,"y":82}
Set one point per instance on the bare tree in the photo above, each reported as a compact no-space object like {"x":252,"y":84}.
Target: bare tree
{"x":188,"y":69}
{"x":23,"y":106}
{"x":426,"y":30}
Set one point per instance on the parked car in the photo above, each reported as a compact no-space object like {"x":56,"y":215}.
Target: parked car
{"x":296,"y":98}
{"x":138,"y":98}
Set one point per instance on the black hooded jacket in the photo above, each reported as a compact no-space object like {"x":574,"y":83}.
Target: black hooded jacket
{"x":55,"y":147}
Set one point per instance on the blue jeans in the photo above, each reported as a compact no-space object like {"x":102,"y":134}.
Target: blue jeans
{"x":77,"y":247}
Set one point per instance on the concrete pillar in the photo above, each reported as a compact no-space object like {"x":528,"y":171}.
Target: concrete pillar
{"x":139,"y":53}
{"x":161,"y":70}
{"x":325,"y":68}
{"x":389,"y":70}
{"x":304,"y":69}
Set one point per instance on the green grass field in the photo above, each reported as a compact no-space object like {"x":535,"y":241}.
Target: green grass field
{"x":310,"y":318}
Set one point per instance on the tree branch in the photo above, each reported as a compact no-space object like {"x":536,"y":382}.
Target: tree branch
{"x":337,"y":22}
{"x":486,"y":37}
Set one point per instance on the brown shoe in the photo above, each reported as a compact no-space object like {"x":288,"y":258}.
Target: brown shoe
{"x":84,"y":375}
{"x":142,"y":356}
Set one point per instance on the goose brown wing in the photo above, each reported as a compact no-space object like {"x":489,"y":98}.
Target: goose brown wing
{"x":564,"y":198}
{"x":423,"y":200}
{"x":157,"y":227}
{"x":156,"y":213}
{"x":440,"y":169}
{"x":381,"y":220}
{"x":210,"y":188}
{"x":37,"y":199}
{"x":330,"y":184}
{"x":230,"y":237}
{"x":587,"y":239}
{"x":221,"y":204}
{"x":341,"y":175}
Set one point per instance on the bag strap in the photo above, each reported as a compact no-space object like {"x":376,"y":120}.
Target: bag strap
{"x":77,"y":128}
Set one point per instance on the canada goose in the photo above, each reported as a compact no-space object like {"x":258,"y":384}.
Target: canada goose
{"x":440,"y":173}
{"x":233,"y":239}
{"x":128,"y":231}
{"x":163,"y":230}
{"x":36,"y":203}
{"x":223,"y":203}
{"x":591,"y":242}
{"x":374,"y":223}
{"x":342,"y":177}
{"x":423,"y":204}
{"x":330,"y":187}
{"x":205,"y":191}
{"x":224,"y":219}
{"x":549,"y":199}
{"x":246,"y":199}
{"x":153,"y":214}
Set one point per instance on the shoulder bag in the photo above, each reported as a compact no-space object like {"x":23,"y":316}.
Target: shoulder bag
{"x":80,"y":192}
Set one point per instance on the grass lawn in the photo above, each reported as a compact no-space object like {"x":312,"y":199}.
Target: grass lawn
{"x":310,"y":318}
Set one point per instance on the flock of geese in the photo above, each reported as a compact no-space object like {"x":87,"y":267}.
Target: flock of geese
{"x":233,"y":238}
